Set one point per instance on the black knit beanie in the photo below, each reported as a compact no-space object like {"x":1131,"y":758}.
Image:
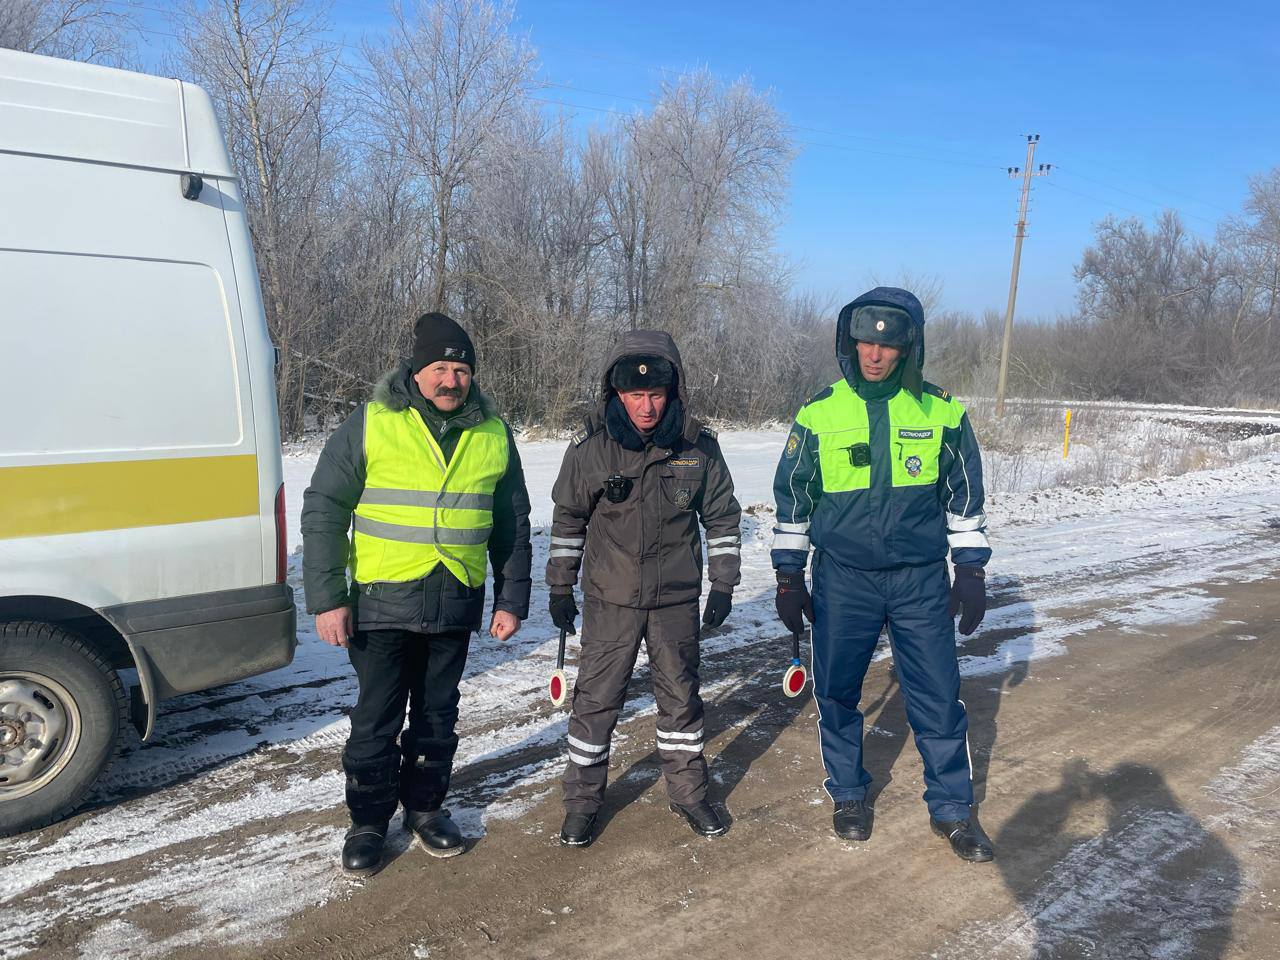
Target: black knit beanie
{"x":437,"y":337}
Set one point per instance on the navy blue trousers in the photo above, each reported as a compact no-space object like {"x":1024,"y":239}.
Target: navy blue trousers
{"x":850,"y":607}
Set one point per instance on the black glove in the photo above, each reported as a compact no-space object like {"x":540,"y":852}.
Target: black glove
{"x":793,"y":601}
{"x":563,"y":611}
{"x":969,"y":592}
{"x":719,"y":603}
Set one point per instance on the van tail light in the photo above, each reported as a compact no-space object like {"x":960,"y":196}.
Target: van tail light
{"x":282,"y":546}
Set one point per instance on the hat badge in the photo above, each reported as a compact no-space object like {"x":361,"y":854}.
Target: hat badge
{"x":644,"y":368}
{"x":879,"y":324}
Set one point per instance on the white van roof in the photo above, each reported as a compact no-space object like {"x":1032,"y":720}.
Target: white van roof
{"x":60,"y":108}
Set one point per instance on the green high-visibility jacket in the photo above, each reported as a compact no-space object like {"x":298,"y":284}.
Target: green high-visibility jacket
{"x":880,"y":483}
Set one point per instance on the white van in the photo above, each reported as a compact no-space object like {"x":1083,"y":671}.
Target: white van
{"x":141,"y":491}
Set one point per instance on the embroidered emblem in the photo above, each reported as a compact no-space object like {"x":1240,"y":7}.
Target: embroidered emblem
{"x":905,"y":434}
{"x":793,"y":445}
{"x":683,"y":497}
{"x":454,"y":352}
{"x":914,"y":466}
{"x":683,"y":463}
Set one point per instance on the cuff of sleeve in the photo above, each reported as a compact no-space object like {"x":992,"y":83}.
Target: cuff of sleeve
{"x":327,"y":607}
{"x":561,"y":590}
{"x":721,"y":586}
{"x":506,"y":606}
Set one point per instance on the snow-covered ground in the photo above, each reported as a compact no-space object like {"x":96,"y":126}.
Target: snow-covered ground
{"x":233,"y":814}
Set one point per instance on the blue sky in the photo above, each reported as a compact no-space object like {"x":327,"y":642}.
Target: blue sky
{"x":914,"y":110}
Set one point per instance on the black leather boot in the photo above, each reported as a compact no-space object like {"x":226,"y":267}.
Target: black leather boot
{"x":362,"y":851}
{"x":579,"y":829}
{"x":436,"y":832}
{"x":967,"y":839}
{"x":702,"y":817}
{"x":852,"y":820}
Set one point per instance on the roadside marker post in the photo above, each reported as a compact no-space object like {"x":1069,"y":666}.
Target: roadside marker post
{"x":1066,"y":434}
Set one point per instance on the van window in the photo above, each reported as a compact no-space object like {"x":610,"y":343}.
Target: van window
{"x":140,"y":355}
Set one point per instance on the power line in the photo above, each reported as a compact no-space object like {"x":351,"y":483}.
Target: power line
{"x":932,"y":158}
{"x":1089,"y":196}
{"x":1130,"y":193}
{"x":1158,"y":186}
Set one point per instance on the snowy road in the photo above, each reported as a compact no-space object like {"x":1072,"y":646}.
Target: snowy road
{"x":223,"y":832}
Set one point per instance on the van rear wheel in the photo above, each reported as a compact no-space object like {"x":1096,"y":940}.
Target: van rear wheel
{"x":62,"y":712}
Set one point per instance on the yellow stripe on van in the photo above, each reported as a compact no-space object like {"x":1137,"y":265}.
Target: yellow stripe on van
{"x":82,"y":497}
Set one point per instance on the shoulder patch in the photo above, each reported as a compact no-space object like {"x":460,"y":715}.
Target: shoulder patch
{"x":820,"y":395}
{"x":582,"y":436}
{"x":793,"y":445}
{"x":710,"y":433}
{"x":934,"y":390}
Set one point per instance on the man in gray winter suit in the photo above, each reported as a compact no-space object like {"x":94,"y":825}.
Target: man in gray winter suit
{"x":417,"y":493}
{"x":632,"y":489}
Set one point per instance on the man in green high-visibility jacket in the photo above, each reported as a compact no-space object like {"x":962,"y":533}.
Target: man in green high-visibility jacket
{"x":882,"y":474}
{"x":427,"y":480}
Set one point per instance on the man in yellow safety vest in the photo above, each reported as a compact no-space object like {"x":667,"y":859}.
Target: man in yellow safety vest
{"x":417,"y":492}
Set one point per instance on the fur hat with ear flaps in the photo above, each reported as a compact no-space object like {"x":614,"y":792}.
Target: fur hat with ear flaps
{"x":641,"y":372}
{"x":888,"y":315}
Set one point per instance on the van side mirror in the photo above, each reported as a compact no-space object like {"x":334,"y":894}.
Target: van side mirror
{"x":192,"y":184}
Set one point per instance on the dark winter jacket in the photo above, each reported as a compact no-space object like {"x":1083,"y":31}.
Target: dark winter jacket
{"x":439,"y":601}
{"x":889,"y":512}
{"x":645,"y":551}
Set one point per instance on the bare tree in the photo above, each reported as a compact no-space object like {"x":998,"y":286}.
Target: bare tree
{"x":270,"y":71}
{"x":722,"y":158}
{"x":444,"y":82}
{"x":1254,"y":236}
{"x":94,"y":31}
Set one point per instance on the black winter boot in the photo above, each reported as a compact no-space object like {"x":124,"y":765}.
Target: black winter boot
{"x":362,"y":851}
{"x":852,"y":820}
{"x":967,"y":839}
{"x":702,"y":818}
{"x":436,"y":832}
{"x":578,"y":830}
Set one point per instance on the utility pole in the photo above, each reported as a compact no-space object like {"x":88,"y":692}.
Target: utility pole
{"x":1026,"y":173}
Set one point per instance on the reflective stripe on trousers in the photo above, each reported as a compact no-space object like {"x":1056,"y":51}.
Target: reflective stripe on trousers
{"x":611,"y":637}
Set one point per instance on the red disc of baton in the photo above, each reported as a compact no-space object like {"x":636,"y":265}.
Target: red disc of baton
{"x":557,"y":688}
{"x":794,"y":679}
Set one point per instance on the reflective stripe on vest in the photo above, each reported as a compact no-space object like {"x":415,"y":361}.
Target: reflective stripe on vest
{"x":418,"y":510}
{"x":839,"y":421}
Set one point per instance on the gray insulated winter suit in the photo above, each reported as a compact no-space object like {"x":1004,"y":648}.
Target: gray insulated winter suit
{"x":637,"y":539}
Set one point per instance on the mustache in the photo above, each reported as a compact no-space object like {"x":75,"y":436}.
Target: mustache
{"x":448,"y":391}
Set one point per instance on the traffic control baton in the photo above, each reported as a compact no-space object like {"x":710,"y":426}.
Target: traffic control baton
{"x":557,"y":687}
{"x":796,"y":677}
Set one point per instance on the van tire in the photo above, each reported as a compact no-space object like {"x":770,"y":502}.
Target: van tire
{"x":42,"y":650}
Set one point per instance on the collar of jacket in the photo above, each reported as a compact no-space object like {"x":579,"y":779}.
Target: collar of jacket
{"x":665,"y":434}
{"x":397,"y":390}
{"x":881,"y":389}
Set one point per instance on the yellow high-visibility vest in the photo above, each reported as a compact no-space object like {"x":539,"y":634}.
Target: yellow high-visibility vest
{"x":418,"y":509}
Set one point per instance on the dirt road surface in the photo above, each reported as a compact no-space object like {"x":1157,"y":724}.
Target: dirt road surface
{"x":1131,"y":785}
{"x":1124,"y":701}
